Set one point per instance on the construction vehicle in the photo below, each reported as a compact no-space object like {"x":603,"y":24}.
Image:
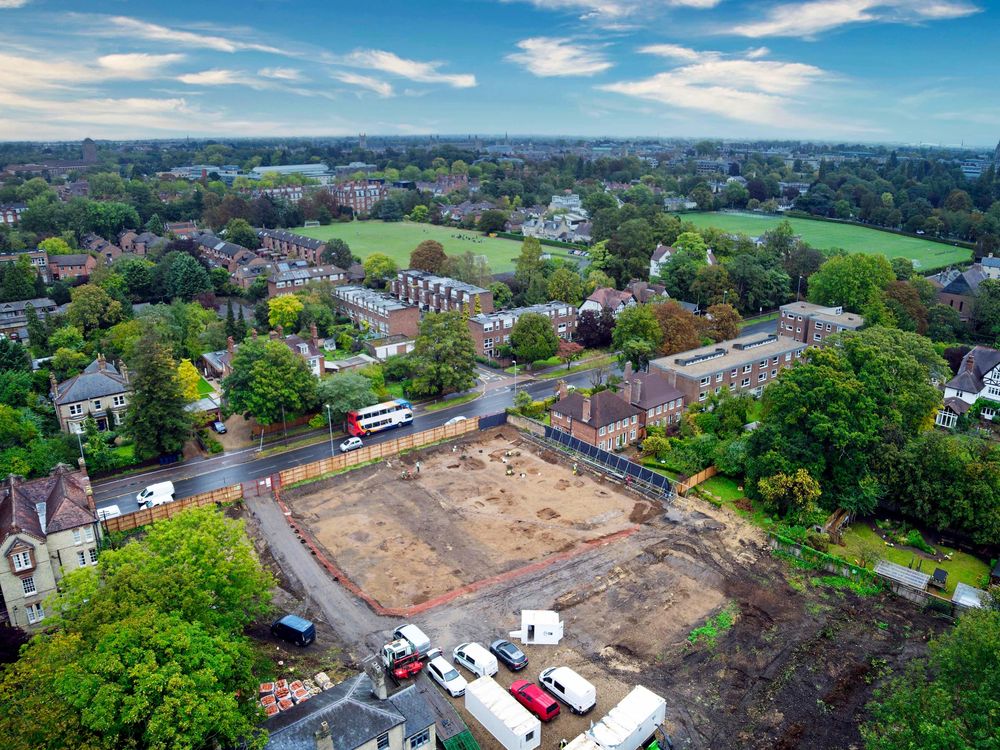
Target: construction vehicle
{"x":400,"y":659}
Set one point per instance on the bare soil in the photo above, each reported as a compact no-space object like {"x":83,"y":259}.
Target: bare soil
{"x":461,"y":519}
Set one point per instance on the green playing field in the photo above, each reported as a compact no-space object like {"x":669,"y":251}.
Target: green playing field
{"x":826,"y":235}
{"x":397,"y":240}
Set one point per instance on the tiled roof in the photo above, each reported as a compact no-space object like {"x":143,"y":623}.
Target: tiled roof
{"x":610,"y":298}
{"x":653,"y":390}
{"x":93,"y":382}
{"x":75,"y":259}
{"x":62,"y":496}
{"x":975,"y":364}
{"x":605,"y":407}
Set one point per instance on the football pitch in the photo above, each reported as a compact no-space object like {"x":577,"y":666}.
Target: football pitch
{"x":397,"y":240}
{"x":826,"y":235}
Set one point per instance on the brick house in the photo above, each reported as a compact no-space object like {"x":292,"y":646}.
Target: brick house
{"x":48,"y":527}
{"x":287,"y":278}
{"x":227,"y":255}
{"x":747,"y":363}
{"x":433,"y":293}
{"x":100,"y":391}
{"x":10,"y":213}
{"x":39,"y":260}
{"x":491,"y":331}
{"x":289,"y":244}
{"x":811,"y":324}
{"x":661,"y":403}
{"x":605,"y":419}
{"x":72,"y":267}
{"x":14,"y":318}
{"x":310,"y":349}
{"x":359,"y":195}
{"x":958,"y":289}
{"x":181,"y":229}
{"x":378,"y":311}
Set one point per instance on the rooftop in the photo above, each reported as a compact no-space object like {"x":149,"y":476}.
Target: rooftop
{"x":60,"y":499}
{"x":99,"y":379}
{"x":548,"y":309}
{"x":827,"y":314}
{"x":371,"y":298}
{"x":605,"y":407}
{"x":728,"y":354}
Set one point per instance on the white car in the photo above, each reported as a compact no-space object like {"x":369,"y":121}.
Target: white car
{"x":455,"y":420}
{"x":351,"y":444}
{"x":445,"y":675}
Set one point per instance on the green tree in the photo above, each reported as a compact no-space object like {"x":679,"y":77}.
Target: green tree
{"x":419,"y":214}
{"x":943,"y":323}
{"x":154,"y":224}
{"x":948,"y":701}
{"x":852,"y":281}
{"x":528,"y":263}
{"x":269,"y":382}
{"x":502,"y":295}
{"x":284,"y":311}
{"x":138,"y":276}
{"x":532,"y":338}
{"x":379,"y":268}
{"x":38,"y":332}
{"x":345,"y":392}
{"x":92,"y":308}
{"x":17,"y":281}
{"x":13,"y":356}
{"x":637,"y":324}
{"x":67,"y":337}
{"x":444,"y":355}
{"x":66,"y":363}
{"x":794,"y":495}
{"x":55,"y":246}
{"x":338,"y":253}
{"x":566,"y":286}
{"x":179,"y":276}
{"x":491,"y":220}
{"x":428,"y":256}
{"x":239,"y":232}
{"x":156,"y":420}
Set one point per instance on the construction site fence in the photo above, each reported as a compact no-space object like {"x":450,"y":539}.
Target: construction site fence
{"x":682,"y":488}
{"x":528,"y":425}
{"x":376,"y":451}
{"x":147,"y":516}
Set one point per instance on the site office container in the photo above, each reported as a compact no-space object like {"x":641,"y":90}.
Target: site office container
{"x":627,"y":726}
{"x":502,"y":716}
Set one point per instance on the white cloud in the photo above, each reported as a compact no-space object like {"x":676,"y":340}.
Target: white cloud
{"x":811,"y":18}
{"x":136,"y":29}
{"x":673,"y":52}
{"x":4,"y":4}
{"x":138,"y":66}
{"x":216,"y":77}
{"x":617,"y":9}
{"x":281,"y":74}
{"x":414,"y":70}
{"x":551,"y":56}
{"x":382,"y":88}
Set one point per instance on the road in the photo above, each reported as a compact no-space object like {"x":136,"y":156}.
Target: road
{"x":199,"y":476}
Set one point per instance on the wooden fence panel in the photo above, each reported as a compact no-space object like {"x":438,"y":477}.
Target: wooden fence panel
{"x":682,"y":488}
{"x":168,"y":510}
{"x":377,"y":451}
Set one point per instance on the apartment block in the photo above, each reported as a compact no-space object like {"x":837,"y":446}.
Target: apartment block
{"x":744,"y":364}
{"x":379,"y":311}
{"x":287,"y":278}
{"x":491,"y":331}
{"x":811,"y":324}
{"x":359,"y":195}
{"x":433,"y":293}
{"x":291,"y":245}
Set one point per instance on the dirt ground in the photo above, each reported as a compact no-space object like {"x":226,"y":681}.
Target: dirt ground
{"x":461,"y":519}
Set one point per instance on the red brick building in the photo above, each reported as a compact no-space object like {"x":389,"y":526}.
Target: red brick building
{"x":38,"y":258}
{"x":291,"y":245}
{"x":811,"y":324}
{"x":71,"y":267}
{"x":661,"y":403}
{"x":605,"y":419}
{"x":378,"y":311}
{"x":286,"y":278}
{"x":433,"y":293}
{"x":491,"y":331}
{"x":359,"y":195}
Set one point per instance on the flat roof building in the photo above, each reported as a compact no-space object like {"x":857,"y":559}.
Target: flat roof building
{"x":381,"y":312}
{"x":812,"y":324}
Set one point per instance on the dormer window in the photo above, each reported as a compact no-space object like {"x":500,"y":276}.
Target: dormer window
{"x":21,"y":561}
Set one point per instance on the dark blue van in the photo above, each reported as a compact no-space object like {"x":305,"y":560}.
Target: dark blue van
{"x":294,"y":629}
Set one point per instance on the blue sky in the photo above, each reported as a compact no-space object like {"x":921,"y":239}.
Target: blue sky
{"x":912,"y":71}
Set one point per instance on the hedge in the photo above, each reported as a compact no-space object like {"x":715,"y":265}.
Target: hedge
{"x":550,"y":243}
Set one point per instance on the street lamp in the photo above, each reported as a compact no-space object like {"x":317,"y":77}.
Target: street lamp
{"x":329,"y":416}
{"x":798,"y":289}
{"x":515,"y":381}
{"x":724,"y":295}
{"x":79,"y":442}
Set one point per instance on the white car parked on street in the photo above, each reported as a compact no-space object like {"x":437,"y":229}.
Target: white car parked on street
{"x":445,"y":675}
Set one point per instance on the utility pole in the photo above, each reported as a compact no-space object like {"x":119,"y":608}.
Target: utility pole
{"x":329,"y":417}
{"x":515,"y":381}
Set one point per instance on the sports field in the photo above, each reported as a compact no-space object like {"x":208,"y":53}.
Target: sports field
{"x":826,"y":235}
{"x":397,"y":240}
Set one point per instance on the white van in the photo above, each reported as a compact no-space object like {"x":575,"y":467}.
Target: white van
{"x":109,"y":511}
{"x":476,"y":659}
{"x":156,"y":494}
{"x":570,"y":688}
{"x":415,"y":636}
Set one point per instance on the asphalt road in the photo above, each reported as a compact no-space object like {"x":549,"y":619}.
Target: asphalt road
{"x":194,"y":477}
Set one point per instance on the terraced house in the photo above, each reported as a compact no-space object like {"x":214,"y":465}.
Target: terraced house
{"x":491,"y":331}
{"x":48,"y":527}
{"x":290,"y":245}
{"x":287,"y":278}
{"x":433,"y":293}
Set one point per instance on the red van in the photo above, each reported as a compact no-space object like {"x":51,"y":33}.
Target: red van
{"x":536,"y":700}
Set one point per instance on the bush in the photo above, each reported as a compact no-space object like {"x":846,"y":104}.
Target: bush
{"x":818,"y":541}
{"x":317,"y":421}
{"x":914,"y":539}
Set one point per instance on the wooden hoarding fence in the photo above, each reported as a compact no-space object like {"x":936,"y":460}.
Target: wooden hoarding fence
{"x":168,"y":510}
{"x":684,"y":487}
{"x":376,"y":451}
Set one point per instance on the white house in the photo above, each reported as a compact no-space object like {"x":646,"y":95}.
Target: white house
{"x":606,"y":298}
{"x":661,"y":256}
{"x":978,"y":378}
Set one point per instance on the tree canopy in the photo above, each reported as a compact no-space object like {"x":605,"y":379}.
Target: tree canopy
{"x":532,"y":338}
{"x":269,"y":381}
{"x":444,"y":355}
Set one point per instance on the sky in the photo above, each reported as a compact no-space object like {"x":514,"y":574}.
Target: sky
{"x":896,"y":71}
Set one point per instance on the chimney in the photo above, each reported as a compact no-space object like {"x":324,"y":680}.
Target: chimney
{"x":627,"y":372}
{"x":636,"y":391}
{"x":123,"y":369}
{"x":276,"y":333}
{"x":323,"y":739}
{"x":970,"y":361}
{"x":100,"y":362}
{"x":627,"y":391}
{"x":562,"y":391}
{"x":585,"y":418}
{"x":313,"y":335}
{"x":230,"y":344}
{"x":53,"y":384}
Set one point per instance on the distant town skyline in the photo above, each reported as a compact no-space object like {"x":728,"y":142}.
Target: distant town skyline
{"x":889,"y":71}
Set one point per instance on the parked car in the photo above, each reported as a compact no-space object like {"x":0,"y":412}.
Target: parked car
{"x":352,"y":443}
{"x":219,"y":427}
{"x":476,"y":659}
{"x":455,"y":420}
{"x":416,"y":637}
{"x":570,"y":688}
{"x":294,"y":629}
{"x":512,"y":657}
{"x":536,"y":700}
{"x":445,"y":675}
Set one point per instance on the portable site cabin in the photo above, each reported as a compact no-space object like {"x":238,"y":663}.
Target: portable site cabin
{"x":627,"y":726}
{"x":502,"y":716}
{"x":541,"y":626}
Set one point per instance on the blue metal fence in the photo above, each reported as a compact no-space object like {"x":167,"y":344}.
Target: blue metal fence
{"x":492,"y":420}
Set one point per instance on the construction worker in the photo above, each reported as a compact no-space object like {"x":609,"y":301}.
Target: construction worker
{"x":562,"y":743}
{"x":418,"y":467}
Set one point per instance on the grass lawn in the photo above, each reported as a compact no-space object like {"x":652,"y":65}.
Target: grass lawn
{"x":759,"y":319}
{"x":563,"y":372}
{"x":463,"y":399}
{"x":397,"y":240}
{"x":395,"y":390}
{"x":826,"y":235}
{"x":204,"y":389}
{"x":651,"y":463}
{"x":961,"y":568}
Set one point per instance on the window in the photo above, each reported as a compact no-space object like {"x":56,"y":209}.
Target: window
{"x":530,"y":735}
{"x":118,"y":401}
{"x":733,"y":373}
{"x":788,"y":357}
{"x":745,"y":383}
{"x":762,"y":377}
{"x":763,"y":363}
{"x":422,"y":738}
{"x":97,"y":405}
{"x":635,"y":418}
{"x":28,"y":585}
{"x":774,"y":373}
{"x":829,"y":327}
{"x":618,"y":424}
{"x":717,"y":389}
{"x":702,"y":396}
{"x":718,"y":377}
{"x":383,"y":741}
{"x":75,"y":410}
{"x":774,"y":360}
{"x":659,"y":409}
{"x":817,"y":337}
{"x":632,"y":434}
{"x":993,"y":390}
{"x":604,"y":444}
{"x":747,"y":368}
{"x":22,"y":560}
{"x":798,"y":329}
{"x":705,"y":381}
{"x":650,"y":412}
{"x":77,"y":536}
{"x":946,"y":419}
{"x":987,"y":413}
{"x":35,"y":613}
{"x":81,"y":558}
{"x":600,"y":431}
